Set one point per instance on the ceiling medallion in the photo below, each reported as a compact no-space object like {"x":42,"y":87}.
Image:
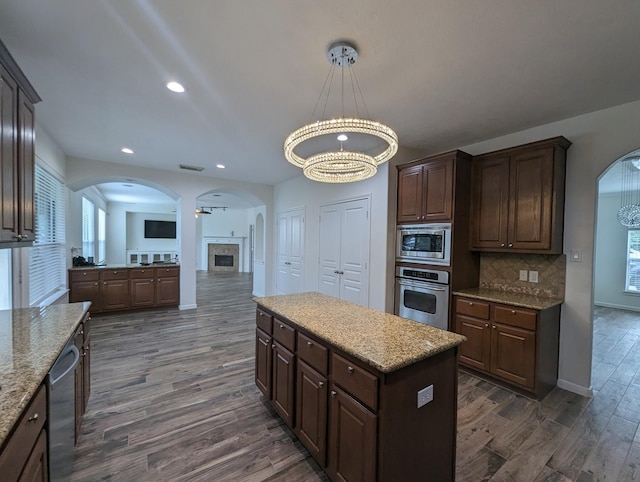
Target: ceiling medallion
{"x":339,"y":165}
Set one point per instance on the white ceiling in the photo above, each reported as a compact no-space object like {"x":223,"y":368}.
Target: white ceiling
{"x":442,"y":73}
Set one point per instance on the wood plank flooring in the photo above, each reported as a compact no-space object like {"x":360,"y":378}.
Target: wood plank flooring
{"x":173,"y":399}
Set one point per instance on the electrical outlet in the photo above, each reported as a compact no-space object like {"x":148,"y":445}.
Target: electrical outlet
{"x":523,"y":275}
{"x":533,"y":276}
{"x":425,"y":396}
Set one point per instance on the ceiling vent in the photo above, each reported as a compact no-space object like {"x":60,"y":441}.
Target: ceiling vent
{"x":191,"y":168}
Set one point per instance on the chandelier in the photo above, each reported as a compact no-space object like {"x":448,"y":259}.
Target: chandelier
{"x":333,"y":163}
{"x":629,"y":212}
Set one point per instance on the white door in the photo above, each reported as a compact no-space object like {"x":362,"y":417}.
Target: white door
{"x":344,"y":251}
{"x":290,"y":252}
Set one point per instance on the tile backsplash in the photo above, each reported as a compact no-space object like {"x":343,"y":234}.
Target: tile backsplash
{"x":501,"y":271}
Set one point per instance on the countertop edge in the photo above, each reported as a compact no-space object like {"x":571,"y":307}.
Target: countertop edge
{"x":532,"y":302}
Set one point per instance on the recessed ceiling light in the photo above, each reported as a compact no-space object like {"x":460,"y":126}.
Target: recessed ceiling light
{"x":126,"y":150}
{"x":175,"y":87}
{"x":220,"y":166}
{"x":343,"y":138}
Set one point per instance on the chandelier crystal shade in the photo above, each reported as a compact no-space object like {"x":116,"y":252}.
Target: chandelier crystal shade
{"x":629,"y":212}
{"x":333,"y":163}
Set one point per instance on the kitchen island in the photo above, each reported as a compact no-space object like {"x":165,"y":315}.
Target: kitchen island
{"x":372,"y":396}
{"x":30,"y":341}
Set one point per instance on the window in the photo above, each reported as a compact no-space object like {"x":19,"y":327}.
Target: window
{"x":47,"y":260}
{"x":5,"y":280}
{"x":88,"y":229}
{"x":102,"y":236}
{"x":633,"y":260}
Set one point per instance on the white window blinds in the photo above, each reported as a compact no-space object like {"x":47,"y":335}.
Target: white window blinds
{"x":47,"y":262}
{"x":88,"y":229}
{"x":633,"y":260}
{"x":102,"y":235}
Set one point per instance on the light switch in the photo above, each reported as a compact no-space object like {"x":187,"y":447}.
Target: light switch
{"x":523,"y":275}
{"x":576,"y":256}
{"x":533,"y":276}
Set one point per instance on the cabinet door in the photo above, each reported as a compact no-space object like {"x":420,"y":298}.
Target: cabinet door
{"x":438,"y":191}
{"x":476,"y":351}
{"x":410,"y":192}
{"x":263,"y":362}
{"x":531,"y":198}
{"x":513,"y":354}
{"x":352,"y":439}
{"x":283,"y":383}
{"x":79,"y":381}
{"x":311,"y":411}
{"x":86,"y":370}
{"x":36,"y":469}
{"x":86,"y":291}
{"x":143,"y":292}
{"x":168,"y":291}
{"x":8,"y":157}
{"x":26,"y":167}
{"x":490,"y":202}
{"x":115,"y":294}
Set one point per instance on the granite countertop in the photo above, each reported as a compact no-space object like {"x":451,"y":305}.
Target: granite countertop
{"x":124,"y":266}
{"x":30,"y":341}
{"x":509,"y":298}
{"x":384,"y":341}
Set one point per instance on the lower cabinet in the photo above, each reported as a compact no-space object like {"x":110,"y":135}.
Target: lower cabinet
{"x":82,"y":373}
{"x":512,"y":344}
{"x":125,"y":288}
{"x":358,"y":424}
{"x":24,"y":455}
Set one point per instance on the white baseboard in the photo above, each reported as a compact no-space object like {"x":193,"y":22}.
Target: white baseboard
{"x":257,"y":295}
{"x":187,"y":307}
{"x":572,"y":387}
{"x":617,"y":306}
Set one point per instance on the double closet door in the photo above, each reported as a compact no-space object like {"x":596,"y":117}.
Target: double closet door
{"x":289,"y":274}
{"x":344,"y":250}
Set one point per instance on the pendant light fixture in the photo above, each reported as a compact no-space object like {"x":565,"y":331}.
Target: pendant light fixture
{"x":629,"y":212}
{"x":330,"y":161}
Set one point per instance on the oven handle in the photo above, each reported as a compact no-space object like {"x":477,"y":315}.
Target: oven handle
{"x":421,"y":284}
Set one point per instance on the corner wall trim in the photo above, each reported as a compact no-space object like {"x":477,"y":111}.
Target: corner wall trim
{"x":572,"y":387}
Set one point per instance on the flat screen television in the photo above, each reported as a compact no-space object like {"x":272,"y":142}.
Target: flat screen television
{"x":159,"y":229}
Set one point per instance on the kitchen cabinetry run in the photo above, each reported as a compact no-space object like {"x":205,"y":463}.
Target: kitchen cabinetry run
{"x":517,"y":202}
{"x":513,"y":344}
{"x":359,"y":424}
{"x":425,"y":191}
{"x":17,"y":154}
{"x":117,"y":289}
{"x":24,"y":455}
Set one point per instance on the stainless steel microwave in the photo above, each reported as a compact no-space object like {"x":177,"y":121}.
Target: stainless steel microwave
{"x":424,"y":243}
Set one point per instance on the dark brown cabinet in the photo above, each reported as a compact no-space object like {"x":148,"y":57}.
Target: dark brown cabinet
{"x":24,"y":454}
{"x":263,"y":362}
{"x":125,"y":288}
{"x":311,"y":411}
{"x":17,"y":155}
{"x":425,"y":191}
{"x":283,"y":382}
{"x":513,"y":344}
{"x":517,"y":202}
{"x":82,"y":373}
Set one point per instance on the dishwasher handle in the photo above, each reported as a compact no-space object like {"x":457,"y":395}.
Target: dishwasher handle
{"x":76,"y":360}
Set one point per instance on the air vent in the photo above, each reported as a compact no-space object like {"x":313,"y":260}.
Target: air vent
{"x":191,"y":168}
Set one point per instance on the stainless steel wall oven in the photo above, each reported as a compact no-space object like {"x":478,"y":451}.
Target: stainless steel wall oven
{"x":423,"y":295}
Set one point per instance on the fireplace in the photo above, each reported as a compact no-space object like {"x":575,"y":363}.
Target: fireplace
{"x":223,"y":257}
{"x":223,"y":260}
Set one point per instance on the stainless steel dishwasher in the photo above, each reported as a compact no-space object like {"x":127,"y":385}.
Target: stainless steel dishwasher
{"x":61,"y":392}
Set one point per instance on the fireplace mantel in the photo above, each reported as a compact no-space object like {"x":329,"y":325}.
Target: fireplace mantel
{"x":207,"y":240}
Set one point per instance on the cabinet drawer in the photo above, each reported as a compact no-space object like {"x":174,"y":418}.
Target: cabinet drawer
{"x":479,"y":309}
{"x":172,"y":272}
{"x":85,"y":275}
{"x":15,"y":453}
{"x":355,"y":380}
{"x":264,"y":321}
{"x":510,"y":315}
{"x":142,"y":273}
{"x":113,"y":274}
{"x":284,"y":334}
{"x":314,"y":353}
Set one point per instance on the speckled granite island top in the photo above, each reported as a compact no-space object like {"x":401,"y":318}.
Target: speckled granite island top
{"x":515,"y":299}
{"x":30,"y":341}
{"x":384,"y":341}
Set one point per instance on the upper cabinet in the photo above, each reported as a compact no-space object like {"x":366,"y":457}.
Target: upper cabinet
{"x":17,"y":154}
{"x":425,"y":190}
{"x":517,"y":200}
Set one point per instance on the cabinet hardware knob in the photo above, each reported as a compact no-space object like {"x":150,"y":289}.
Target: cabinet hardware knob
{"x":273,"y":346}
{"x":115,"y":272}
{"x":309,"y":343}
{"x":471,"y":303}
{"x":513,"y":312}
{"x":267,"y":340}
{"x":105,"y":282}
{"x":494,"y":327}
{"x":350,"y":369}
{"x":88,"y":318}
{"x":321,"y":384}
{"x":18,"y":237}
{"x":96,"y":284}
{"x":511,"y":245}
{"x":333,"y":393}
{"x":486,"y":325}
{"x":502,"y":245}
{"x":82,"y":332}
{"x":33,"y":418}
{"x":84,"y":274}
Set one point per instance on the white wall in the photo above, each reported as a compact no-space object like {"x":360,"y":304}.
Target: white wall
{"x":599,"y":139}
{"x":301,"y":192}
{"x":229,"y":223}
{"x":611,"y":257}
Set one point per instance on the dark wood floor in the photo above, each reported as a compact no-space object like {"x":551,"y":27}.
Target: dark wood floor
{"x":173,"y":398}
